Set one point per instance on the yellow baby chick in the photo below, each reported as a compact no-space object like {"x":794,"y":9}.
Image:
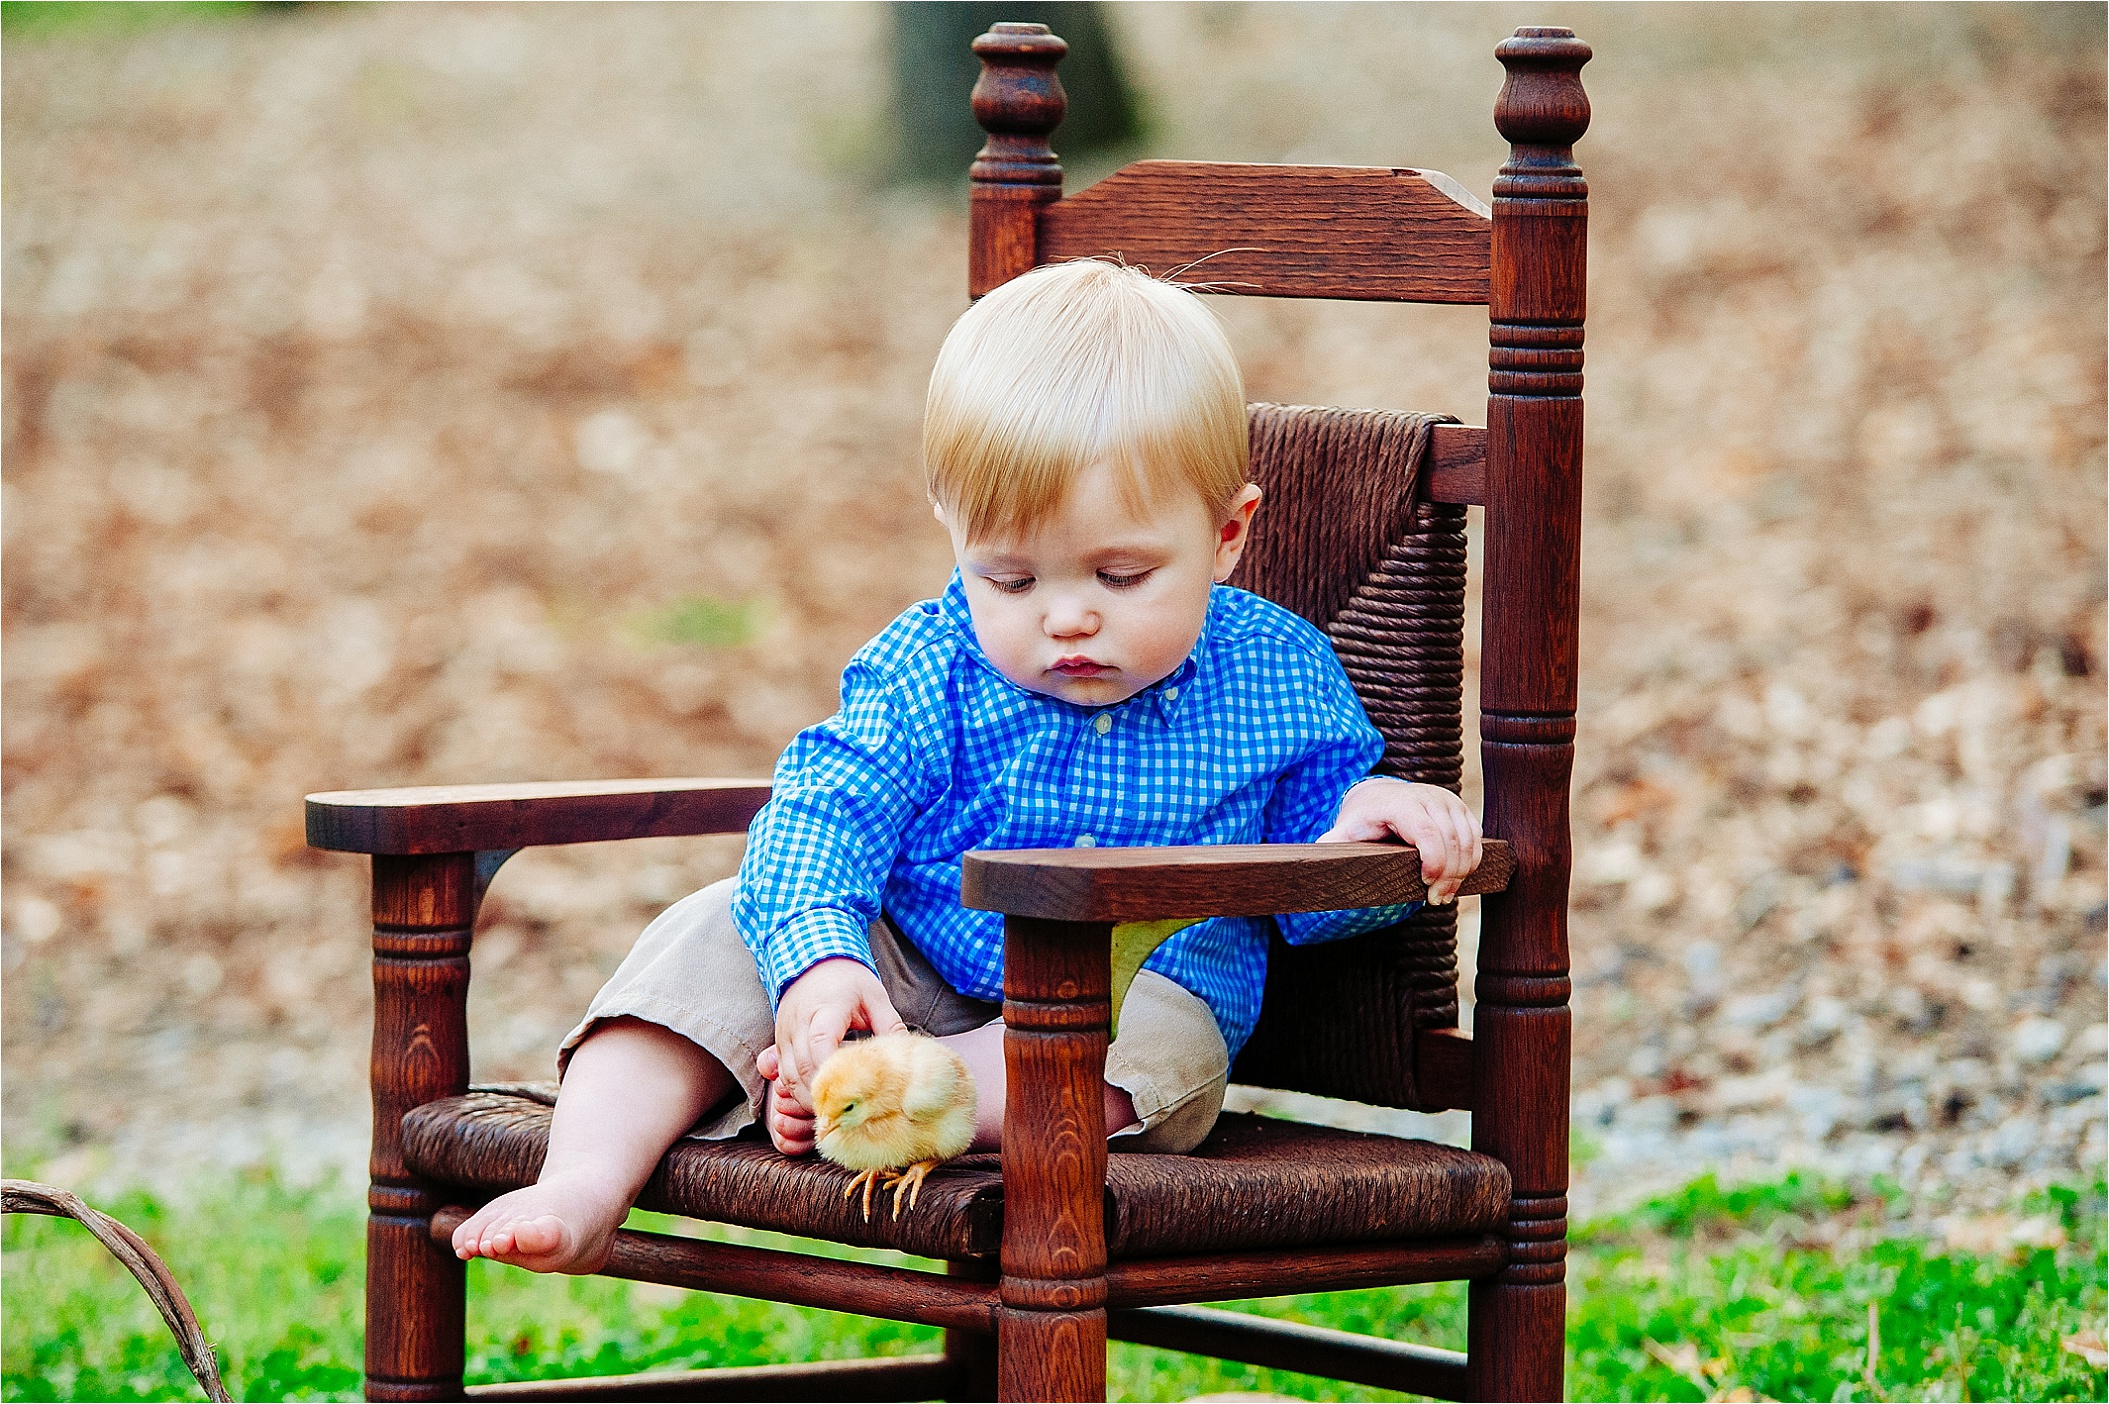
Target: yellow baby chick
{"x":892,"y":1108}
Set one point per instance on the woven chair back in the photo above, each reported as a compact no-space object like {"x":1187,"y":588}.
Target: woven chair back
{"x":1343,"y":540}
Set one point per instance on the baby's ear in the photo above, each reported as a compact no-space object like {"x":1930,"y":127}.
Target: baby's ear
{"x":937,"y":510}
{"x":1236,"y":530}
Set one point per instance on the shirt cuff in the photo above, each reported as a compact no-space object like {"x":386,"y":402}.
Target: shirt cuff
{"x":1309,"y":928}
{"x":808,"y":938}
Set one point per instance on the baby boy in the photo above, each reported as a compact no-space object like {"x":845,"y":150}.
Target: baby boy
{"x":1086,"y":678}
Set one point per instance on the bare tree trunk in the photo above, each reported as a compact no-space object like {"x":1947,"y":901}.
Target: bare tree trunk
{"x":935,"y":68}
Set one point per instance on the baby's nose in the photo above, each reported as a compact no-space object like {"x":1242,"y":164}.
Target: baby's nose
{"x":1068,"y":621}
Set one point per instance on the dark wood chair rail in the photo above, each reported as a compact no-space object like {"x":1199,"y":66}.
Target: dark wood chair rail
{"x":1375,"y":233}
{"x":481,"y":818}
{"x":1256,"y":879}
{"x":1226,"y":1335}
{"x":1289,"y":1345}
{"x":961,"y":1303}
{"x":900,"y":1377}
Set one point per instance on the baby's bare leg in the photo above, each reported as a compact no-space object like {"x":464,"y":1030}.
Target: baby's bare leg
{"x":982,"y":1051}
{"x":631,"y":1089}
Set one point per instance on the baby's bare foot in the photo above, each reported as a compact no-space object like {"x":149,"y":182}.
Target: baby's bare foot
{"x":790,"y":1126}
{"x":562,"y":1226}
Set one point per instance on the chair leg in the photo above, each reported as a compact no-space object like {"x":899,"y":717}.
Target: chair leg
{"x":1517,"y":1338}
{"x":972,"y":1354}
{"x":1522,"y":1037}
{"x":415,"y":1304}
{"x":423,"y":908}
{"x":1051,"y":1326}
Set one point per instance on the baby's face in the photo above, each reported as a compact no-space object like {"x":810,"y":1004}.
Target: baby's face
{"x":1098,"y":602}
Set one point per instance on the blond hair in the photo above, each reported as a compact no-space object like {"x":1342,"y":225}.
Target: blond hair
{"x":1072,"y":365}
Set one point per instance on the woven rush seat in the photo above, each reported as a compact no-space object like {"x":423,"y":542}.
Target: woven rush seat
{"x":1254,"y":1183}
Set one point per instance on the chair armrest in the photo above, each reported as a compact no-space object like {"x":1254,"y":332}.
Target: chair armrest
{"x":1259,"y":879}
{"x":479,"y":818}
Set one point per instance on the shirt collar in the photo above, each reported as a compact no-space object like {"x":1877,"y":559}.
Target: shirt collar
{"x":1169,"y":693}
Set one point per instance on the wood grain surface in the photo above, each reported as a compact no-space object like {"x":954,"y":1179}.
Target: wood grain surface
{"x":1457,"y":465}
{"x":1528,"y":690}
{"x":1217,"y":1277}
{"x":1057,"y":1000}
{"x":470,"y":818}
{"x":1362,"y":232}
{"x":1018,"y":101}
{"x":1257,"y":879}
{"x":423,"y":909}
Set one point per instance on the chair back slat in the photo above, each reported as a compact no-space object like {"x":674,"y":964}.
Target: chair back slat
{"x":1368,"y":233}
{"x":1346,"y":538}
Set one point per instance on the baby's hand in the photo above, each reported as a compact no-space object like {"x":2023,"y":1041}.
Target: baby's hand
{"x":1427,"y":816}
{"x":816,"y":1011}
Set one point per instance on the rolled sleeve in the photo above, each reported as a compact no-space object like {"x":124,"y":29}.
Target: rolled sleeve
{"x":819,"y":853}
{"x":806,"y":939}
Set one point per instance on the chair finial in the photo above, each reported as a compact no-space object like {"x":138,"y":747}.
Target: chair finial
{"x":1542,"y":103}
{"x":1018,"y":100}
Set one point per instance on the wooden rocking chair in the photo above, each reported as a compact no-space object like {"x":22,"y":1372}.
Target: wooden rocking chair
{"x":1056,"y":1246}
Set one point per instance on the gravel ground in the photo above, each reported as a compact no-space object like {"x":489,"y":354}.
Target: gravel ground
{"x":415,"y":395}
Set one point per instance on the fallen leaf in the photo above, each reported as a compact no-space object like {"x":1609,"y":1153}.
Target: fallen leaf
{"x":1682,"y":1357}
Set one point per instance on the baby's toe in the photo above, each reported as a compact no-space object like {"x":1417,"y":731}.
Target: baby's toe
{"x":538,"y":1237}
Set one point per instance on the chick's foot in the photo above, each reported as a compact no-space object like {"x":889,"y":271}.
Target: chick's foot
{"x":910,"y":1182}
{"x":867,"y":1180}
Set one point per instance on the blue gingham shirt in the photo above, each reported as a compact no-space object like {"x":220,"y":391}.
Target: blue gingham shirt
{"x":1253,"y":739}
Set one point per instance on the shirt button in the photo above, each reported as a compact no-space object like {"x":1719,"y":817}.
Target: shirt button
{"x":1103,"y":724}
{"x":1171,"y":694}
{"x":1086,"y":841}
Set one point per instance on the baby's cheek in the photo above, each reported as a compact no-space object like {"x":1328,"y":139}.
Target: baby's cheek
{"x":1162,"y":636}
{"x":1011,"y":646}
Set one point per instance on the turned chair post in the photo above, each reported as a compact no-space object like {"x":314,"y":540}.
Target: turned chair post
{"x":1521,"y":1029}
{"x":1057,"y":1005}
{"x":1019,"y":102}
{"x":423,"y":909}
{"x":1051,"y":1327}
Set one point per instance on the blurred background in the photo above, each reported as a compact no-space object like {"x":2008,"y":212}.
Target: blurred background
{"x":422,"y":394}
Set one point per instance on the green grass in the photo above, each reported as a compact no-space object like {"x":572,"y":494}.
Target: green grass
{"x":30,"y":19}
{"x":1766,"y":1289}
{"x":1750,"y":1292}
{"x":704,"y":622}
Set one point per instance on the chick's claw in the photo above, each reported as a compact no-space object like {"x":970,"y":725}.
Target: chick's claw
{"x":910,"y":1182}
{"x":866,"y":1180}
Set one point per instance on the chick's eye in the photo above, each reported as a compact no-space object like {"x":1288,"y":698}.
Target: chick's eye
{"x":848,"y":1107}
{"x":1122,"y":580}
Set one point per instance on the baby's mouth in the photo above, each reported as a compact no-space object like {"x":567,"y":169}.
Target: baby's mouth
{"x":1078,"y":667}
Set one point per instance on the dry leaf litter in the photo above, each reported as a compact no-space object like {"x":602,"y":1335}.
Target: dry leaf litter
{"x":412,"y":395}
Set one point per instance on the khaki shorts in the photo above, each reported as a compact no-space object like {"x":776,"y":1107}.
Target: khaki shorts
{"x":691,"y":973}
